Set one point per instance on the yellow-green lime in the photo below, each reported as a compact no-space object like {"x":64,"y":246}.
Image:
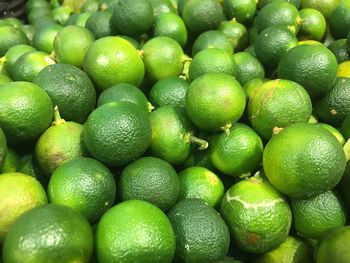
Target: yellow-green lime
{"x":11,"y":162}
{"x":9,"y":37}
{"x":313,"y":24}
{"x":212,"y":39}
{"x":326,"y":7}
{"x":334,"y":131}
{"x":13,"y":54}
{"x":343,"y":69}
{"x":4,"y":78}
{"x":90,"y":6}
{"x":44,"y":37}
{"x":252,"y":85}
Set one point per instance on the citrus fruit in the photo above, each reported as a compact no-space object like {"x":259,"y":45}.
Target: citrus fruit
{"x":312,"y":66}
{"x":201,"y":234}
{"x":173,"y":134}
{"x":170,"y":25}
{"x":133,"y":18}
{"x":343,"y":69}
{"x":303,"y":160}
{"x":152,"y":180}
{"x":37,"y":15}
{"x":202,"y":15}
{"x":333,"y":247}
{"x":34,"y":4}
{"x":163,"y":57}
{"x":212,"y":39}
{"x":211,"y":60}
{"x":314,"y":217}
{"x":313,"y":24}
{"x":89,"y":6}
{"x":334,"y":131}
{"x":242,"y":10}
{"x":9,"y":37}
{"x":19,"y":193}
{"x":252,"y":85}
{"x":236,"y":32}
{"x":71,"y":44}
{"x":334,"y":107}
{"x":345,"y":128}
{"x":162,"y":7}
{"x":339,"y":21}
{"x":278,"y":103}
{"x":292,"y":250}
{"x":28,"y":165}
{"x":60,"y":143}
{"x":326,"y":7}
{"x":100,"y":24}
{"x":44,"y":36}
{"x":247,"y":206}
{"x":4,"y":78}
{"x":70,"y":89}
{"x":339,"y":49}
{"x":112,"y":60}
{"x":247,"y":67}
{"x":85,"y":185}
{"x":28,"y":65}
{"x":200,"y":183}
{"x":237,"y":153}
{"x":61,"y":14}
{"x":117,"y":133}
{"x":278,"y":13}
{"x":25,"y":111}
{"x":29,"y":31}
{"x":3,"y":147}
{"x":124,"y":92}
{"x":169,"y":91}
{"x":13,"y":54}
{"x":11,"y":162}
{"x":134,"y":231}
{"x":214,"y":101}
{"x":55,"y":233}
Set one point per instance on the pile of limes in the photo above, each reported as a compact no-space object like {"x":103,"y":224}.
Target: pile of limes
{"x":189,"y":131}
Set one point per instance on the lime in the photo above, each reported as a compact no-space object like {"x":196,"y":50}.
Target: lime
{"x":313,"y":24}
{"x":61,"y":14}
{"x":212,"y":39}
{"x":303,"y":160}
{"x":117,"y":133}
{"x":100,"y":24}
{"x":343,"y":69}
{"x":339,"y":49}
{"x":44,"y":36}
{"x":152,"y":180}
{"x":247,"y":67}
{"x":11,"y":162}
{"x":3,"y":147}
{"x":162,"y":7}
{"x":30,"y":5}
{"x":25,"y":111}
{"x":252,"y":86}
{"x":4,"y":78}
{"x":242,"y":10}
{"x":247,"y":206}
{"x":334,"y":131}
{"x":134,"y":231}
{"x":339,"y":21}
{"x":201,"y":234}
{"x":89,"y":6}
{"x":29,"y":31}
{"x":236,"y":32}
{"x":345,"y":128}
{"x":326,"y":7}
{"x":214,"y":101}
{"x":112,"y":60}
{"x":19,"y":193}
{"x":9,"y":37}
{"x":55,"y":233}
{"x":13,"y":54}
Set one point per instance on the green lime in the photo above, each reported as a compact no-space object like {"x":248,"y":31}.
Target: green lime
{"x":214,"y":101}
{"x":28,"y":165}
{"x":334,"y":131}
{"x":169,"y":91}
{"x":61,"y":14}
{"x":13,"y":54}
{"x":162,"y":7}
{"x":19,"y":193}
{"x":339,"y":21}
{"x":278,"y":103}
{"x":40,"y":16}
{"x":89,"y":6}
{"x":29,"y":31}
{"x":11,"y":36}
{"x":201,"y":234}
{"x":211,"y":60}
{"x":11,"y":162}
{"x":248,"y":67}
{"x":313,"y":24}
{"x":312,"y":66}
{"x":44,"y":36}
{"x":339,"y":49}
{"x":85,"y":185}
{"x":112,"y":60}
{"x":242,"y":10}
{"x":55,"y":233}
{"x":314,"y":217}
{"x":117,"y":133}
{"x":326,"y":7}
{"x":247,"y":206}
{"x":134,"y":231}
{"x":25,"y":111}
{"x":100,"y":24}
{"x":173,"y":134}
{"x":236,"y":32}
{"x":345,"y":128}
{"x":262,"y":3}
{"x":133,"y":18}
{"x":237,"y":153}
{"x":70,"y":89}
{"x":252,"y":86}
{"x":200,"y":183}
{"x":212,"y":39}
{"x":303,"y":160}
{"x":60,"y":143}
{"x":3,"y":147}
{"x":152,"y":180}
{"x":272,"y":43}
{"x":30,"y":5}
{"x":71,"y":44}
{"x":4,"y":78}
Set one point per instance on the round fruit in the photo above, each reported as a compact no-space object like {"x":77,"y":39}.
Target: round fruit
{"x":25,"y":111}
{"x":201,"y":234}
{"x":214,"y":101}
{"x":236,"y":32}
{"x":339,"y":21}
{"x":200,"y":183}
{"x":312,"y":66}
{"x":303,"y":160}
{"x":117,"y":133}
{"x":11,"y":36}
{"x":112,"y":60}
{"x":313,"y":24}
{"x":237,"y":153}
{"x":339,"y":49}
{"x":247,"y":206}
{"x":326,"y":7}
{"x":152,"y":180}
{"x":212,"y":39}
{"x":314,"y":217}
{"x":242,"y":10}
{"x":100,"y":24}
{"x":44,"y":37}
{"x":85,"y":185}
{"x":163,"y":6}
{"x":334,"y":131}
{"x":248,"y":67}
{"x":70,"y":89}
{"x":134,"y":231}
{"x":13,"y":54}
{"x":11,"y":162}
{"x":54,"y":233}
{"x":19,"y":193}
{"x":3,"y":147}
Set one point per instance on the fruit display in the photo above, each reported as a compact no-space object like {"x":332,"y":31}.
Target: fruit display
{"x":175,"y":131}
